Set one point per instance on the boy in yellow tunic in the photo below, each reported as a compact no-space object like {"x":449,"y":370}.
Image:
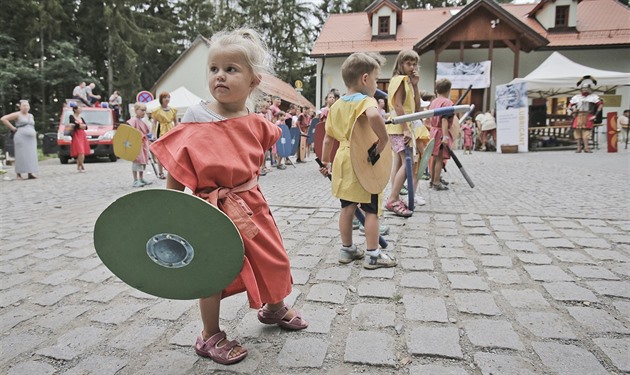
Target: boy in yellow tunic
{"x":360,"y":72}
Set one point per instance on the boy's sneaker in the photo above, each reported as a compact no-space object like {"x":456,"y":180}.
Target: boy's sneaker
{"x":356,"y":224}
{"x":419,"y":201}
{"x":445,"y":183}
{"x":146,"y":182}
{"x":137,"y":183}
{"x":350,"y":254}
{"x":382,"y":260}
{"x":382,"y":230}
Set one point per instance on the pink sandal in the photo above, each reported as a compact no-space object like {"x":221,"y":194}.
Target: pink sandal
{"x":399,"y":208}
{"x":267,"y":316}
{"x":219,"y":354}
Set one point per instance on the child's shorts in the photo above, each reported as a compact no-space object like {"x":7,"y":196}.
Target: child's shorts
{"x":398,"y":142}
{"x":371,"y":208}
{"x":137,"y":167}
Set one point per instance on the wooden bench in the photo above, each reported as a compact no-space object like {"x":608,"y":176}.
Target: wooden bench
{"x":557,"y":136}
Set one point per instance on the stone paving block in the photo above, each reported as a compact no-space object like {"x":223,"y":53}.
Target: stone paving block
{"x":504,"y":227}
{"x":604,"y":230}
{"x":494,"y":364}
{"x":488,"y":249}
{"x":47,"y":244}
{"x":308,"y":262}
{"x":596,"y":320}
{"x":477,"y":303}
{"x":56,"y":295}
{"x":414,"y":243}
{"x":611,"y":288}
{"x":375,"y":288}
{"x":98,"y":365}
{"x":312,"y":250}
{"x":89,"y":263}
{"x":436,"y":370}
{"x":592,"y":242}
{"x":249,"y":326}
{"x":547,"y":273}
{"x":105,"y":293}
{"x":15,"y":254}
{"x":511,"y":236}
{"x":73,"y":343}
{"x":571,"y":256}
{"x":553,"y":243}
{"x":577,"y":233}
{"x":16,"y":344}
{"x":617,"y":350}
{"x":593,"y":272}
{"x":543,"y":234}
{"x":187,"y":335}
{"x":568,"y":359}
{"x":421,"y":280}
{"x":621,"y":269}
{"x":503,"y":276}
{"x":61,"y":316}
{"x":81,"y":253}
{"x":371,"y":348}
{"x":171,"y":309}
{"x":545,"y":324}
{"x":293,"y":353}
{"x":83,"y":243}
{"x":60,"y":277}
{"x":534,"y":258}
{"x":607,"y":255}
{"x":300,"y":277}
{"x":488,"y":333}
{"x":482,"y":231}
{"x":527,"y":298}
{"x":319,"y":318}
{"x":96,"y":276}
{"x":334,"y":273}
{"x":374,"y":315}
{"x":426,"y":309}
{"x":170,"y":362}
{"x":379,"y":273}
{"x":481,"y":240}
{"x":458,"y":265}
{"x":473,"y":223}
{"x":326,"y":292}
{"x":435,"y":341}
{"x":592,"y":222}
{"x":118,"y":313}
{"x":14,"y":316}
{"x":448,"y":242}
{"x":12,"y":245}
{"x":417,"y":264}
{"x":564,"y":291}
{"x":450,"y":253}
{"x":526,"y":246}
{"x":499,"y":261}
{"x":529,"y":219}
{"x":137,"y":337}
{"x":31,"y":367}
{"x":413,"y":252}
{"x":623,"y":307}
{"x":619,"y":238}
{"x":467,"y":282}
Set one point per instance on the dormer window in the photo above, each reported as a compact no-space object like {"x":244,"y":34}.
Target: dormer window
{"x":562,"y":16}
{"x":383,"y":25}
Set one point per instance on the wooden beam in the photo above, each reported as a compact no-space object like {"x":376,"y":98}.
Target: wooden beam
{"x":461,"y":51}
{"x":517,"y":57}
{"x":510,"y":45}
{"x":489,"y":89}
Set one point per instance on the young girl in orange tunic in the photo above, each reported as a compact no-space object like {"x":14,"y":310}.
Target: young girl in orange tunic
{"x":217,"y":152}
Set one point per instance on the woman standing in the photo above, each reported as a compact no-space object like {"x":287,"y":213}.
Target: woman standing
{"x":80,"y":145}
{"x":164,"y":119}
{"x":24,"y":139}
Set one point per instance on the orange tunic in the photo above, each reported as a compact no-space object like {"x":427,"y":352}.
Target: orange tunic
{"x":229,"y":153}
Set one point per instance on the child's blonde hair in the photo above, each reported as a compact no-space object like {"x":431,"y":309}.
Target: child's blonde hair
{"x":358,"y":64}
{"x":251,"y":46}
{"x":442,"y":86}
{"x":403,"y":57}
{"x":139,"y":105}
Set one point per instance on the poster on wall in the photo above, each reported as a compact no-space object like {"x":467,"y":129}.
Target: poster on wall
{"x":463,"y":74}
{"x":512,"y":115}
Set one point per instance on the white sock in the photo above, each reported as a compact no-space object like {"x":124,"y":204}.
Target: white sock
{"x":373,"y":253}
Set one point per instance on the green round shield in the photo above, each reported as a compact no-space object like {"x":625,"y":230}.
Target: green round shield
{"x":169,"y":244}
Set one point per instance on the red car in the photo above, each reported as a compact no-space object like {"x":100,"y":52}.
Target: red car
{"x":101,"y":128}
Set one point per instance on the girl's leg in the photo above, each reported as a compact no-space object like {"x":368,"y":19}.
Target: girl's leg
{"x":209,"y":308}
{"x":80,"y":159}
{"x":437,"y":170}
{"x":135,"y":175}
{"x":345,"y":224}
{"x":399,"y":179}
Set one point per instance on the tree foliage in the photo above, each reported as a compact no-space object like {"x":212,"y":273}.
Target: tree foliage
{"x":126,"y":45}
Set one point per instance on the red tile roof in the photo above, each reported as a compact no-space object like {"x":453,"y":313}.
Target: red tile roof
{"x":600,"y":23}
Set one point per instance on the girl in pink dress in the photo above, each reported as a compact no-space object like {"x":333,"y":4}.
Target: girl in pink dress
{"x":139,"y":165}
{"x":467,"y":129}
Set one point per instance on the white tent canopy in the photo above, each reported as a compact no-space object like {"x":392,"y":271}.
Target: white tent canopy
{"x":559,"y":76}
{"x":181,"y":99}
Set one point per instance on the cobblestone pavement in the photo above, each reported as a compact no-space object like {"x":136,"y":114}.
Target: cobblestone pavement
{"x":527,"y":273}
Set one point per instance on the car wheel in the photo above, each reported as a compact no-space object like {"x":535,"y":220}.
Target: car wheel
{"x":64,"y":159}
{"x":113,"y":157}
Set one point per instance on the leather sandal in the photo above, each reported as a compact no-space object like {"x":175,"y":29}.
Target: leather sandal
{"x":399,"y":208}
{"x":267,"y":316}
{"x":219,"y":354}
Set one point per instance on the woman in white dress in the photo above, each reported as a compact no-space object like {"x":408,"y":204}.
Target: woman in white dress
{"x":24,"y":139}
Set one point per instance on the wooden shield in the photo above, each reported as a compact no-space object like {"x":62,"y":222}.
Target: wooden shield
{"x":283,"y":145}
{"x":320,"y":133}
{"x":169,"y":244}
{"x":303,"y":140}
{"x":426,"y":155}
{"x":127,"y":142}
{"x":375,"y":177}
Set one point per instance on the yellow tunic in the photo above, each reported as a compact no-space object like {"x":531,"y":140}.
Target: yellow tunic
{"x":343,"y":114}
{"x":409,"y":106}
{"x":165,"y":119}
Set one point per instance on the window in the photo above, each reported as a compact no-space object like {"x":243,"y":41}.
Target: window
{"x":562,"y":16}
{"x":383,"y":25}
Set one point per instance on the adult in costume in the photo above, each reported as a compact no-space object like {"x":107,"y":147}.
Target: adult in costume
{"x":164,"y":119}
{"x":584,"y":108}
{"x":79,"y":147}
{"x":24,"y":140}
